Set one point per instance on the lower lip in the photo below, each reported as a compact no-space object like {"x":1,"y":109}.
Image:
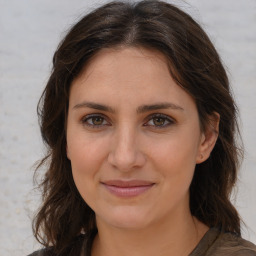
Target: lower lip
{"x":128,"y":191}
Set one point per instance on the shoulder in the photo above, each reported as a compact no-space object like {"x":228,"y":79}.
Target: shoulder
{"x":43,"y":252}
{"x":73,"y":249}
{"x":230,"y":244}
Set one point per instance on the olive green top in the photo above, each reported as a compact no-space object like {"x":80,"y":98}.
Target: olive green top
{"x":213,"y":243}
{"x":223,"y":244}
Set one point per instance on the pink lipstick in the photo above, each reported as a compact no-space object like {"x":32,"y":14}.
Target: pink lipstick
{"x":130,"y":188}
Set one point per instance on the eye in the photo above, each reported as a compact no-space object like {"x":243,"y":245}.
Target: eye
{"x":94,"y":121}
{"x":159,"y":121}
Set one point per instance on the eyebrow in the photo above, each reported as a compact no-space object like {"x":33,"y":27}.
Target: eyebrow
{"x":164,"y":105}
{"x":139,"y":110}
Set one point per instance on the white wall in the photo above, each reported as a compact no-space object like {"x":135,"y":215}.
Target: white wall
{"x":29,"y":33}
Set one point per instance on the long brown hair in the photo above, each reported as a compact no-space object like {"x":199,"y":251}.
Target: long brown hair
{"x":196,"y":67}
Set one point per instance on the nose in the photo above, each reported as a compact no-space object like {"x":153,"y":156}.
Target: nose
{"x":125,"y":154}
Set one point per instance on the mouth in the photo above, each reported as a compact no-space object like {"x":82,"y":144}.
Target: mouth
{"x":126,"y":189}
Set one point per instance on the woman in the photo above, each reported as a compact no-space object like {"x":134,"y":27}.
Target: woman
{"x":140,"y":126}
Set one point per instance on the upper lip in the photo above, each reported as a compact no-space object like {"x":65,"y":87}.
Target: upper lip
{"x":128,"y":183}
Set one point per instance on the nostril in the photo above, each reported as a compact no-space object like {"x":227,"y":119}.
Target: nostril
{"x":126,"y":160}
{"x":124,"y":152}
{"x":122,"y":160}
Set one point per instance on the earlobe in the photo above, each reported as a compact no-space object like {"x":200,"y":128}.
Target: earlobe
{"x":208,"y":138}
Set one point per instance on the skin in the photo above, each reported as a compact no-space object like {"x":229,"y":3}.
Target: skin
{"x":128,"y":141}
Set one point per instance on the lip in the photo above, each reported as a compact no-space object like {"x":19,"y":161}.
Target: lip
{"x":129,"y":188}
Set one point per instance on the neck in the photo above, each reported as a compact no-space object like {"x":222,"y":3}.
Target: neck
{"x":178,"y":235}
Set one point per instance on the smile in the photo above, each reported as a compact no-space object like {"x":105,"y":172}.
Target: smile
{"x":127,"y":188}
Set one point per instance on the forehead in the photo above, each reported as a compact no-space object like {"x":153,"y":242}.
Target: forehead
{"x":113,"y":60}
{"x":129,"y":74}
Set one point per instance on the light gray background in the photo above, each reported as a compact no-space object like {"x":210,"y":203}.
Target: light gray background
{"x":29,"y":33}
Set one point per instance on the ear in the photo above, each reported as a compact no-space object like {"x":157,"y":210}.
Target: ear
{"x":208,"y":138}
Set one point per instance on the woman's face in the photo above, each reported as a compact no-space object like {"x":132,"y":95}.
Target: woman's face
{"x":133,"y":138}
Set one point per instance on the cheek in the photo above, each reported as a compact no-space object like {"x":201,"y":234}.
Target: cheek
{"x":85,"y":151}
{"x":175,"y":161}
{"x":176,"y":167}
{"x":177,"y":174}
{"x":86,"y":156}
{"x":175,"y":151}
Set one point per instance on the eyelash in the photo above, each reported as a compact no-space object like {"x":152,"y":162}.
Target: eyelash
{"x":84,"y":120}
{"x":170,"y":121}
{"x":166,"y":118}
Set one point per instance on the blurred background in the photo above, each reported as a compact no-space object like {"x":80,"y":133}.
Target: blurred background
{"x":29,"y":34}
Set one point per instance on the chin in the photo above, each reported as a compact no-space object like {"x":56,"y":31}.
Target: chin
{"x":126,"y":219}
